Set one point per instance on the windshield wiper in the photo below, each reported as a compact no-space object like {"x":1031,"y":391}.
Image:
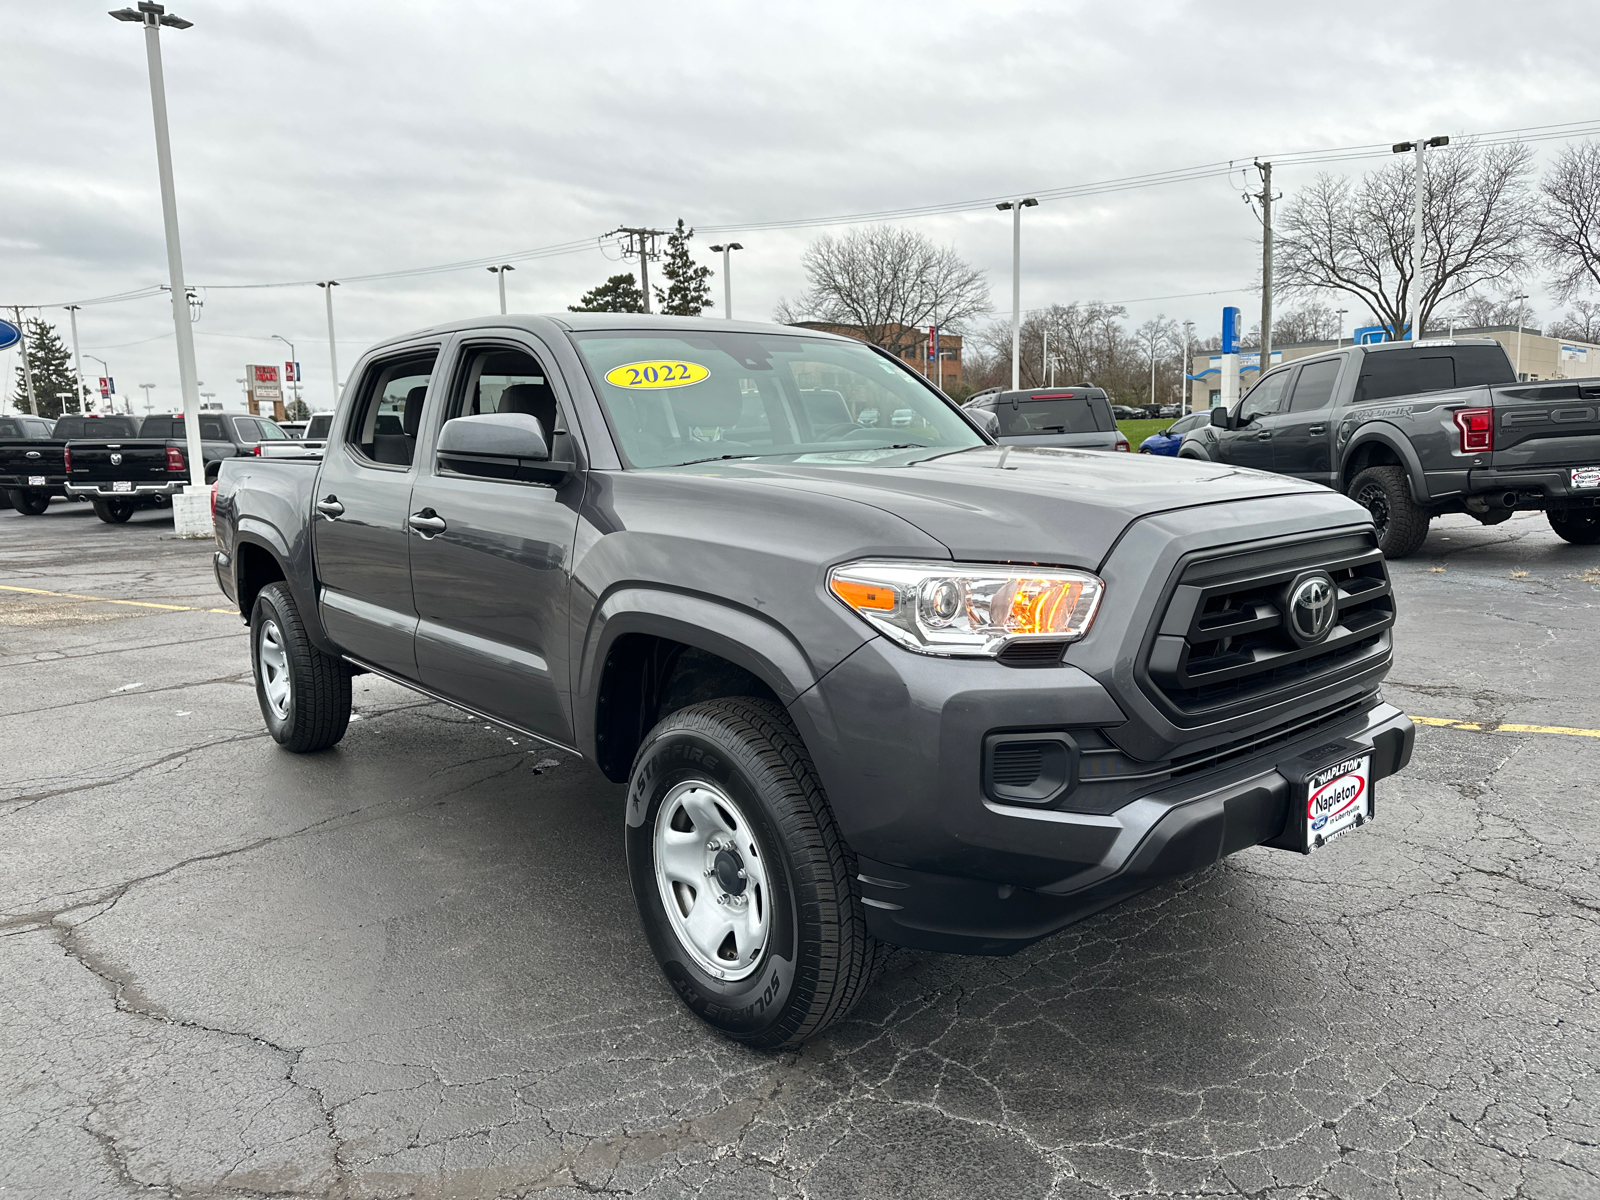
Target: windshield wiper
{"x":714,"y":458}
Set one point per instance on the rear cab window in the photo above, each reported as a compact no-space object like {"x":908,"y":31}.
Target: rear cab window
{"x":383,"y":424}
{"x":68,"y":428}
{"x":1410,"y":372}
{"x":1023,"y":414}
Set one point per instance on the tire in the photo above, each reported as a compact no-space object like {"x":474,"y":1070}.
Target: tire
{"x":304,"y":694}
{"x":1580,"y":526}
{"x":113,"y":512}
{"x":736,"y":772}
{"x":28,"y":502}
{"x":1399,"y":521}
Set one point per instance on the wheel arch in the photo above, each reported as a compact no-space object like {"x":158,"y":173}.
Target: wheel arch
{"x":259,"y":559}
{"x":1377,"y":445}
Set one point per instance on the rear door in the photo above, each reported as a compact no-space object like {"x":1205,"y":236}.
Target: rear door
{"x":491,"y":557}
{"x":359,"y":513}
{"x":1250,"y":444}
{"x":1302,"y":440}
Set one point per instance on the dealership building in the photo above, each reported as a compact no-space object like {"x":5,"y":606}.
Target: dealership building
{"x":1534,"y":355}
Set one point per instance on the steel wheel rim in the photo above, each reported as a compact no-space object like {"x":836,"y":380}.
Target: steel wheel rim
{"x":1375,"y":502}
{"x":274,"y":659}
{"x":699,"y":832}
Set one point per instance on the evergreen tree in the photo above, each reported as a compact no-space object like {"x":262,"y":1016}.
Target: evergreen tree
{"x":689,"y":287}
{"x":50,"y":364}
{"x":620,"y":293}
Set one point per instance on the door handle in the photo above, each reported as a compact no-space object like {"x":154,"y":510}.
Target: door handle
{"x":1264,"y":436}
{"x":427,"y":522}
{"x":330,"y":507}
{"x":1315,"y":430}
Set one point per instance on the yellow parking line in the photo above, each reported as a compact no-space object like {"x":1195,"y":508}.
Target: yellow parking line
{"x":4,"y":587}
{"x":1565,"y":730}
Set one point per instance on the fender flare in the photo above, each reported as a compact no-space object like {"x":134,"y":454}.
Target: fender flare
{"x":744,"y":638}
{"x":1395,"y":440}
{"x":263,"y":535}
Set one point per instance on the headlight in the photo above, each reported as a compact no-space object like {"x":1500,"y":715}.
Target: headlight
{"x":967,"y":609}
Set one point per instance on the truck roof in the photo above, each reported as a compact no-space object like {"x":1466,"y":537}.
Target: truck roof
{"x":1426,"y":343}
{"x":539,"y":323}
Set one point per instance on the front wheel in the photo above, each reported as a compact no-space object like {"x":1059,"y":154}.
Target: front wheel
{"x":1399,"y":521}
{"x":28,"y":502}
{"x":113,"y":512}
{"x":304,"y":693}
{"x":745,"y":887}
{"x":1580,"y":526}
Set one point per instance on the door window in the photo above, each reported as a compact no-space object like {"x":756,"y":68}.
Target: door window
{"x":1267,"y":396}
{"x":383,"y":428}
{"x":270,"y":432}
{"x":495,"y":379}
{"x":1314,"y":388}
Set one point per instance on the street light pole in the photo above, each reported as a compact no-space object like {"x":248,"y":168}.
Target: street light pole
{"x":327,"y":287}
{"x":1016,"y":207}
{"x":110,"y":396}
{"x":294,"y":359}
{"x":77,"y":359}
{"x":500,"y":274}
{"x":148,"y":386}
{"x":1185,"y":386}
{"x":27,"y":369}
{"x":1339,"y":341}
{"x":727,"y":277}
{"x":1417,"y":147}
{"x":152,"y":16}
{"x":1521,"y":317}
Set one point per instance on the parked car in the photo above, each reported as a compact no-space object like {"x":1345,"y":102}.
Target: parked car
{"x":32,"y":454}
{"x":1412,"y":430}
{"x":1169,"y":439}
{"x":1170,"y":410}
{"x":120,"y":474}
{"x":1080,"y":417}
{"x":1124,"y":412}
{"x":864,"y":686}
{"x":292,"y":429}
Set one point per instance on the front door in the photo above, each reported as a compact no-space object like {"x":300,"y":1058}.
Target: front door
{"x":491,"y":557}
{"x":359,"y":515}
{"x":1302,"y":443}
{"x":1250,"y":444}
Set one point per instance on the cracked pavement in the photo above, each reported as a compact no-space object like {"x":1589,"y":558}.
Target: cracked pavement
{"x":410,"y":967}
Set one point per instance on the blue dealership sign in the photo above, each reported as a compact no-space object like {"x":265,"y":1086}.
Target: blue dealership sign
{"x":10,"y":335}
{"x":1230,"y":330}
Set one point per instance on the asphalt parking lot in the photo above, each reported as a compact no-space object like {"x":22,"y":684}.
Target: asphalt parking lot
{"x":410,"y":966}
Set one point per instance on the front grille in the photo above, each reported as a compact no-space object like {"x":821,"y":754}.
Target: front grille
{"x":1223,"y":642}
{"x":1018,"y":764}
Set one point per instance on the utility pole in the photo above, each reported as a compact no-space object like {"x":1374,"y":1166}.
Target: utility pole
{"x":1015,"y":207}
{"x":1185,"y":387}
{"x":1417,"y":147}
{"x":77,"y":359}
{"x":327,"y":287}
{"x":27,"y":371}
{"x":500,"y":274}
{"x":727,"y":277}
{"x":1266,"y":197}
{"x":643,"y":243}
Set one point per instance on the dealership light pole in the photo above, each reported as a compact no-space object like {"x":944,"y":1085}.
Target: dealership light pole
{"x":148,"y":386}
{"x":1339,"y":341}
{"x":1016,"y":207}
{"x":327,"y":286}
{"x":110,"y":396}
{"x":1418,"y":147}
{"x":77,"y":359}
{"x":500,"y":274}
{"x":1521,"y":317}
{"x":727,"y":277}
{"x":192,"y":510}
{"x":295,"y":367}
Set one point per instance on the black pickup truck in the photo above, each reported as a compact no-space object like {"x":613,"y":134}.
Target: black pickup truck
{"x":1412,"y":430}
{"x":123,"y":474}
{"x":865,"y":685}
{"x":32,"y":460}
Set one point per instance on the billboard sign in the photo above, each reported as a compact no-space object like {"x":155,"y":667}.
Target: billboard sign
{"x":1574,"y":354}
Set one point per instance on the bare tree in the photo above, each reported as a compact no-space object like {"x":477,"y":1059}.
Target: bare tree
{"x":1581,"y":324}
{"x":1481,"y":310}
{"x":1341,"y":235}
{"x":887,"y":282}
{"x":1310,"y":322}
{"x":1566,"y":227}
{"x":1070,"y":344}
{"x":1159,"y":341}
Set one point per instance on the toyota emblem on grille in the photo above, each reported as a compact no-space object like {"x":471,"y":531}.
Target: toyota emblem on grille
{"x":1311,"y":607}
{"x":116,"y":460}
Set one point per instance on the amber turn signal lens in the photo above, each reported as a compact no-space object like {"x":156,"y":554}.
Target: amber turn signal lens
{"x":863,"y":595}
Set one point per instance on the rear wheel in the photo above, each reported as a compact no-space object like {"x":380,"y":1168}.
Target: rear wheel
{"x":1399,"y":521}
{"x":304,"y":693}
{"x":747,"y":891}
{"x":27,"y":501}
{"x":113,"y":512}
{"x":1580,"y":526}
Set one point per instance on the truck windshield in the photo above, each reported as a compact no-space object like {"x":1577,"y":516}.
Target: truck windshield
{"x":1073,"y":414}
{"x":679,"y":397}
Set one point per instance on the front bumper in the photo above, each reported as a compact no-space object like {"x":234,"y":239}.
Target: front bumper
{"x":102,"y":491}
{"x":1157,"y":838}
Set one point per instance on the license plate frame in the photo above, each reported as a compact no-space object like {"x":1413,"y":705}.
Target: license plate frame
{"x":1584,"y":479}
{"x":36,"y":481}
{"x":1330,"y":793}
{"x":122,"y":485}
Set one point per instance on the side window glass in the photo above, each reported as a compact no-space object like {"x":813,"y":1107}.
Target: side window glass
{"x":270,"y":432}
{"x":248,"y":429}
{"x":211,"y":429}
{"x":1266,"y":397}
{"x":383,"y":427}
{"x":1314,"y":388}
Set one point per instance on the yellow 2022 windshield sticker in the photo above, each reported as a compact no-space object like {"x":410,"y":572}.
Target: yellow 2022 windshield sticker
{"x":657,"y":373}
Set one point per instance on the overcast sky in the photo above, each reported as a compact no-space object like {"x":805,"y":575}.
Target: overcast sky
{"x":335,"y":138}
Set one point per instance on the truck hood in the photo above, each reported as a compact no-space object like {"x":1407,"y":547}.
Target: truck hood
{"x":1015,"y":503}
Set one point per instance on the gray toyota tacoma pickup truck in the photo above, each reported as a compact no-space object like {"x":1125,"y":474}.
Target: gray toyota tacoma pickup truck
{"x":865,"y":685}
{"x":1413,"y":430}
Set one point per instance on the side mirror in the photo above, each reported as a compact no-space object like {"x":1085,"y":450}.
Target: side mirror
{"x":499,"y":446}
{"x":986,"y":421}
{"x":1220,"y":418}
